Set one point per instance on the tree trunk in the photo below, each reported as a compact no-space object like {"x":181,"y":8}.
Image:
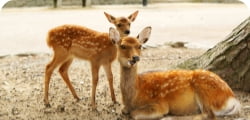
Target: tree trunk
{"x":86,"y":3}
{"x":55,"y":3}
{"x":230,"y":58}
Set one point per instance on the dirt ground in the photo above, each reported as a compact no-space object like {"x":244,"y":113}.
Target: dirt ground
{"x":21,"y":87}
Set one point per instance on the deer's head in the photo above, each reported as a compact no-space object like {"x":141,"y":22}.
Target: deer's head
{"x":129,"y":48}
{"x":122,"y":24}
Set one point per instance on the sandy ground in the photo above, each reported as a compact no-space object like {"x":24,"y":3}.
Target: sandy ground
{"x":21,"y":87}
{"x":24,"y":31}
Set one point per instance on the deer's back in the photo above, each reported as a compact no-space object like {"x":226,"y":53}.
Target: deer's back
{"x":163,"y":84}
{"x":169,"y":87}
{"x":181,"y":88}
{"x":82,"y":42}
{"x":64,"y":35}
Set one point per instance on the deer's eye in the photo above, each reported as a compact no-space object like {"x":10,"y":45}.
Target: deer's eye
{"x":139,"y":47}
{"x":119,"y":25}
{"x":123,"y":47}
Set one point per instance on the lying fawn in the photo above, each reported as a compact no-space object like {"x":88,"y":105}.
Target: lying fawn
{"x":69,"y":41}
{"x":151,"y":95}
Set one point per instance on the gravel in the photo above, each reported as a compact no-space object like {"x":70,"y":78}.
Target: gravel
{"x":22,"y":77}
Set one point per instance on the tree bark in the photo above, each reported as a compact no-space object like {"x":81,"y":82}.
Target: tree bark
{"x":230,"y":59}
{"x":55,"y":3}
{"x":86,"y":3}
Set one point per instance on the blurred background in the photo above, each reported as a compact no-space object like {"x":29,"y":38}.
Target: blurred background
{"x":199,"y":23}
{"x":35,"y":3}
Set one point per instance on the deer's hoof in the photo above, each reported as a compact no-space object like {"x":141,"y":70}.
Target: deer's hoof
{"x":125,"y":111}
{"x":47,"y":105}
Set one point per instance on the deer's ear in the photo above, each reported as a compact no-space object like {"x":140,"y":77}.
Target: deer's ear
{"x":110,"y":18}
{"x":144,"y":35}
{"x":114,"y":35}
{"x":133,"y":16}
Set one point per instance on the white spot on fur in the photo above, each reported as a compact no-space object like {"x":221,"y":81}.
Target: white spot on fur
{"x":203,"y":71}
{"x":164,"y":85}
{"x":202,"y":77}
{"x":212,"y":75}
{"x":172,"y":90}
{"x":162,"y":95}
{"x":177,"y":87}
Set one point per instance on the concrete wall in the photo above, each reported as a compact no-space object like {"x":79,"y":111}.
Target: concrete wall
{"x":115,"y":1}
{"x":33,"y":3}
{"x":29,"y":3}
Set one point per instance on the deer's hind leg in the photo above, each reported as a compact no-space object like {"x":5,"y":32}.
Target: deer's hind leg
{"x":60,"y":55}
{"x":63,"y":70}
{"x":150,"y":111}
{"x":206,"y":111}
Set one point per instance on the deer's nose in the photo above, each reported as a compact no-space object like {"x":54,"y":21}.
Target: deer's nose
{"x":127,"y":32}
{"x":136,"y":58}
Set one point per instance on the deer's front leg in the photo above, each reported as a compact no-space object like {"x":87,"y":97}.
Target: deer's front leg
{"x":95,"y":71}
{"x":107,"y":68}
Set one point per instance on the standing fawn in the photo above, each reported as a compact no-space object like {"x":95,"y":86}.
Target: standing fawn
{"x":122,"y":24}
{"x":69,"y":41}
{"x":152,"y":95}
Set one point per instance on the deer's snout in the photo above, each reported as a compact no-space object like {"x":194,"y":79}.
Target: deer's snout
{"x":136,"y":58}
{"x":127,"y":32}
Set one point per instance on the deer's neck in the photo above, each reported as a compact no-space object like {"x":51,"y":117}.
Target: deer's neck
{"x":128,"y":85}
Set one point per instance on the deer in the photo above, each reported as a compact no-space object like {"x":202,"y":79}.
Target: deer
{"x":154,"y":94}
{"x":74,"y":41}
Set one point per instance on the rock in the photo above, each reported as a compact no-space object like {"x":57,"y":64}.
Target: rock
{"x":177,"y":44}
{"x":15,"y":111}
{"x":119,"y":118}
{"x":3,"y":114}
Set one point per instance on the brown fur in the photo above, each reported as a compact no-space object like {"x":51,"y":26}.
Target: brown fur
{"x":122,"y":24}
{"x":180,"y":92}
{"x":69,"y":41}
{"x":169,"y":85}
